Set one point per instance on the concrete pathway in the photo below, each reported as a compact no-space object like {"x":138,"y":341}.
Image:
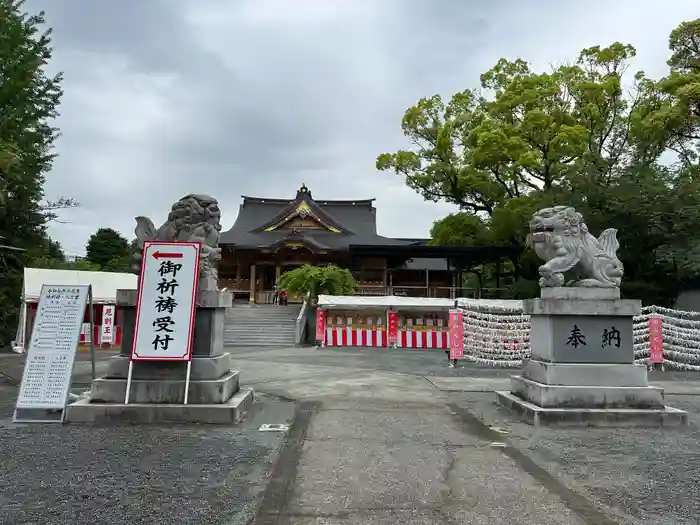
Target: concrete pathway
{"x":381,"y":438}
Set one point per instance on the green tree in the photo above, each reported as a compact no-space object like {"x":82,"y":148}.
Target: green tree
{"x":460,"y":229}
{"x":107,"y":247}
{"x":83,"y":265}
{"x":28,"y":103}
{"x":537,"y":132}
{"x":571,"y":135}
{"x":669,"y":118}
{"x":317,"y":280}
{"x":48,"y":255}
{"x":119,"y":264}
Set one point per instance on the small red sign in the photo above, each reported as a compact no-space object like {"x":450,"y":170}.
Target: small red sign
{"x":456,"y":335}
{"x":392,"y":323}
{"x":656,"y":345}
{"x":320,"y":325}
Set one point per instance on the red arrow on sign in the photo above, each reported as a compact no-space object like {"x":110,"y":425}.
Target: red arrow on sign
{"x":166,"y":255}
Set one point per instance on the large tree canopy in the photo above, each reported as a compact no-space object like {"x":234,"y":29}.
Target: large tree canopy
{"x":570,"y":135}
{"x":108,"y":249}
{"x":28,"y":103}
{"x":535,"y":132}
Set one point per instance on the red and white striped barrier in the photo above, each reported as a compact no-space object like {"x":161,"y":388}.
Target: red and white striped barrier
{"x":355,"y":337}
{"x":423,"y":339}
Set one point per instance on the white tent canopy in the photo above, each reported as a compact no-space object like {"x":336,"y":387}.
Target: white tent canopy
{"x":491,"y":304}
{"x":353,"y":302}
{"x":104,"y":284}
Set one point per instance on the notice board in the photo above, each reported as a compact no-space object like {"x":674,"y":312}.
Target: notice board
{"x":48,"y":369}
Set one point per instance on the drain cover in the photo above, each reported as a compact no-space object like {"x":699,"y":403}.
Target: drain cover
{"x":275,"y":427}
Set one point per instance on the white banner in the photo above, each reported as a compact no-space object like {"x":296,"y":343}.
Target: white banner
{"x":49,"y":367}
{"x":107,"y":329}
{"x":85,"y":333}
{"x":166,"y":306}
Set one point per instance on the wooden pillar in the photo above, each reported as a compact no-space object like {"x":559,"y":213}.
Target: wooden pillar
{"x":278,"y":272}
{"x":238,"y":274}
{"x":427,"y":282}
{"x":453,"y":292}
{"x":252,"y":283}
{"x":385,"y":280}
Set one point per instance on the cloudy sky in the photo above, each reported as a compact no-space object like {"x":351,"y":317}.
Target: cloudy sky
{"x":254,"y":97}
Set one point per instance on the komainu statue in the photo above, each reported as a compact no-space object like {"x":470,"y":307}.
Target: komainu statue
{"x":194,"y":218}
{"x":560,"y":237}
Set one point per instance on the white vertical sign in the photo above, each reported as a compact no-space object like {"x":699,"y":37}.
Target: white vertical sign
{"x":85,"y":333}
{"x":166,"y":303}
{"x":107,"y":328}
{"x":49,"y":367}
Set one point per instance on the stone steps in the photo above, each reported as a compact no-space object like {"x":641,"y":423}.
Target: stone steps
{"x":260,"y":325}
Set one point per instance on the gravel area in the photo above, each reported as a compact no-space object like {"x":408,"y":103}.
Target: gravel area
{"x":641,"y":475}
{"x":53,"y":474}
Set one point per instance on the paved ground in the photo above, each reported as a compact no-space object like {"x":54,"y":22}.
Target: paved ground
{"x":379,"y":437}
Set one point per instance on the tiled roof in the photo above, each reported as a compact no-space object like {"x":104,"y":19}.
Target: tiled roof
{"x":355,"y":220}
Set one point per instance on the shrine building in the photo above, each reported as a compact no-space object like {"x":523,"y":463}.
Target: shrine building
{"x":273,"y":236}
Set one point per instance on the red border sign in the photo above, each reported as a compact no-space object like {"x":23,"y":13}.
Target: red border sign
{"x":320,"y":326}
{"x":147,"y":248}
{"x":456,"y":335}
{"x":656,"y":342}
{"x":392,"y":322}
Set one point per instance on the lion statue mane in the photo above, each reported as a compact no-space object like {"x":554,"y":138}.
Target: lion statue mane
{"x":194,"y":218}
{"x":561,"y":238}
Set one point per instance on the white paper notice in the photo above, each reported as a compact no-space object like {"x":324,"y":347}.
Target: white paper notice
{"x":51,"y":354}
{"x":165,"y":312}
{"x":107,"y":329}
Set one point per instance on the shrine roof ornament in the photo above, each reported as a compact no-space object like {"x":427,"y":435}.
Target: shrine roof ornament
{"x":304,"y":207}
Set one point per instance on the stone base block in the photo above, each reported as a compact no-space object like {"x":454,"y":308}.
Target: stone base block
{"x":203,"y":368}
{"x":579,"y":292}
{"x":231,"y":412}
{"x":582,"y":305}
{"x":535,"y":415}
{"x":560,"y":396}
{"x":166,"y":391}
{"x":585,"y":374}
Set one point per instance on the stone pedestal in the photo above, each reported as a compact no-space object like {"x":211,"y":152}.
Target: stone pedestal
{"x":582,"y":367}
{"x":157,"y":389}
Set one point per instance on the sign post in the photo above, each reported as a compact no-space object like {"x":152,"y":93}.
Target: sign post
{"x":107,"y":327}
{"x":321,"y":327}
{"x":48,"y":369}
{"x":92,"y":335}
{"x":166,"y":306}
{"x":656,"y":345}
{"x":392,"y":323}
{"x":456,"y":334}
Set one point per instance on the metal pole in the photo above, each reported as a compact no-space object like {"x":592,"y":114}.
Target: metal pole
{"x":92,"y":332}
{"x":187,"y":380}
{"x":128,"y":382}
